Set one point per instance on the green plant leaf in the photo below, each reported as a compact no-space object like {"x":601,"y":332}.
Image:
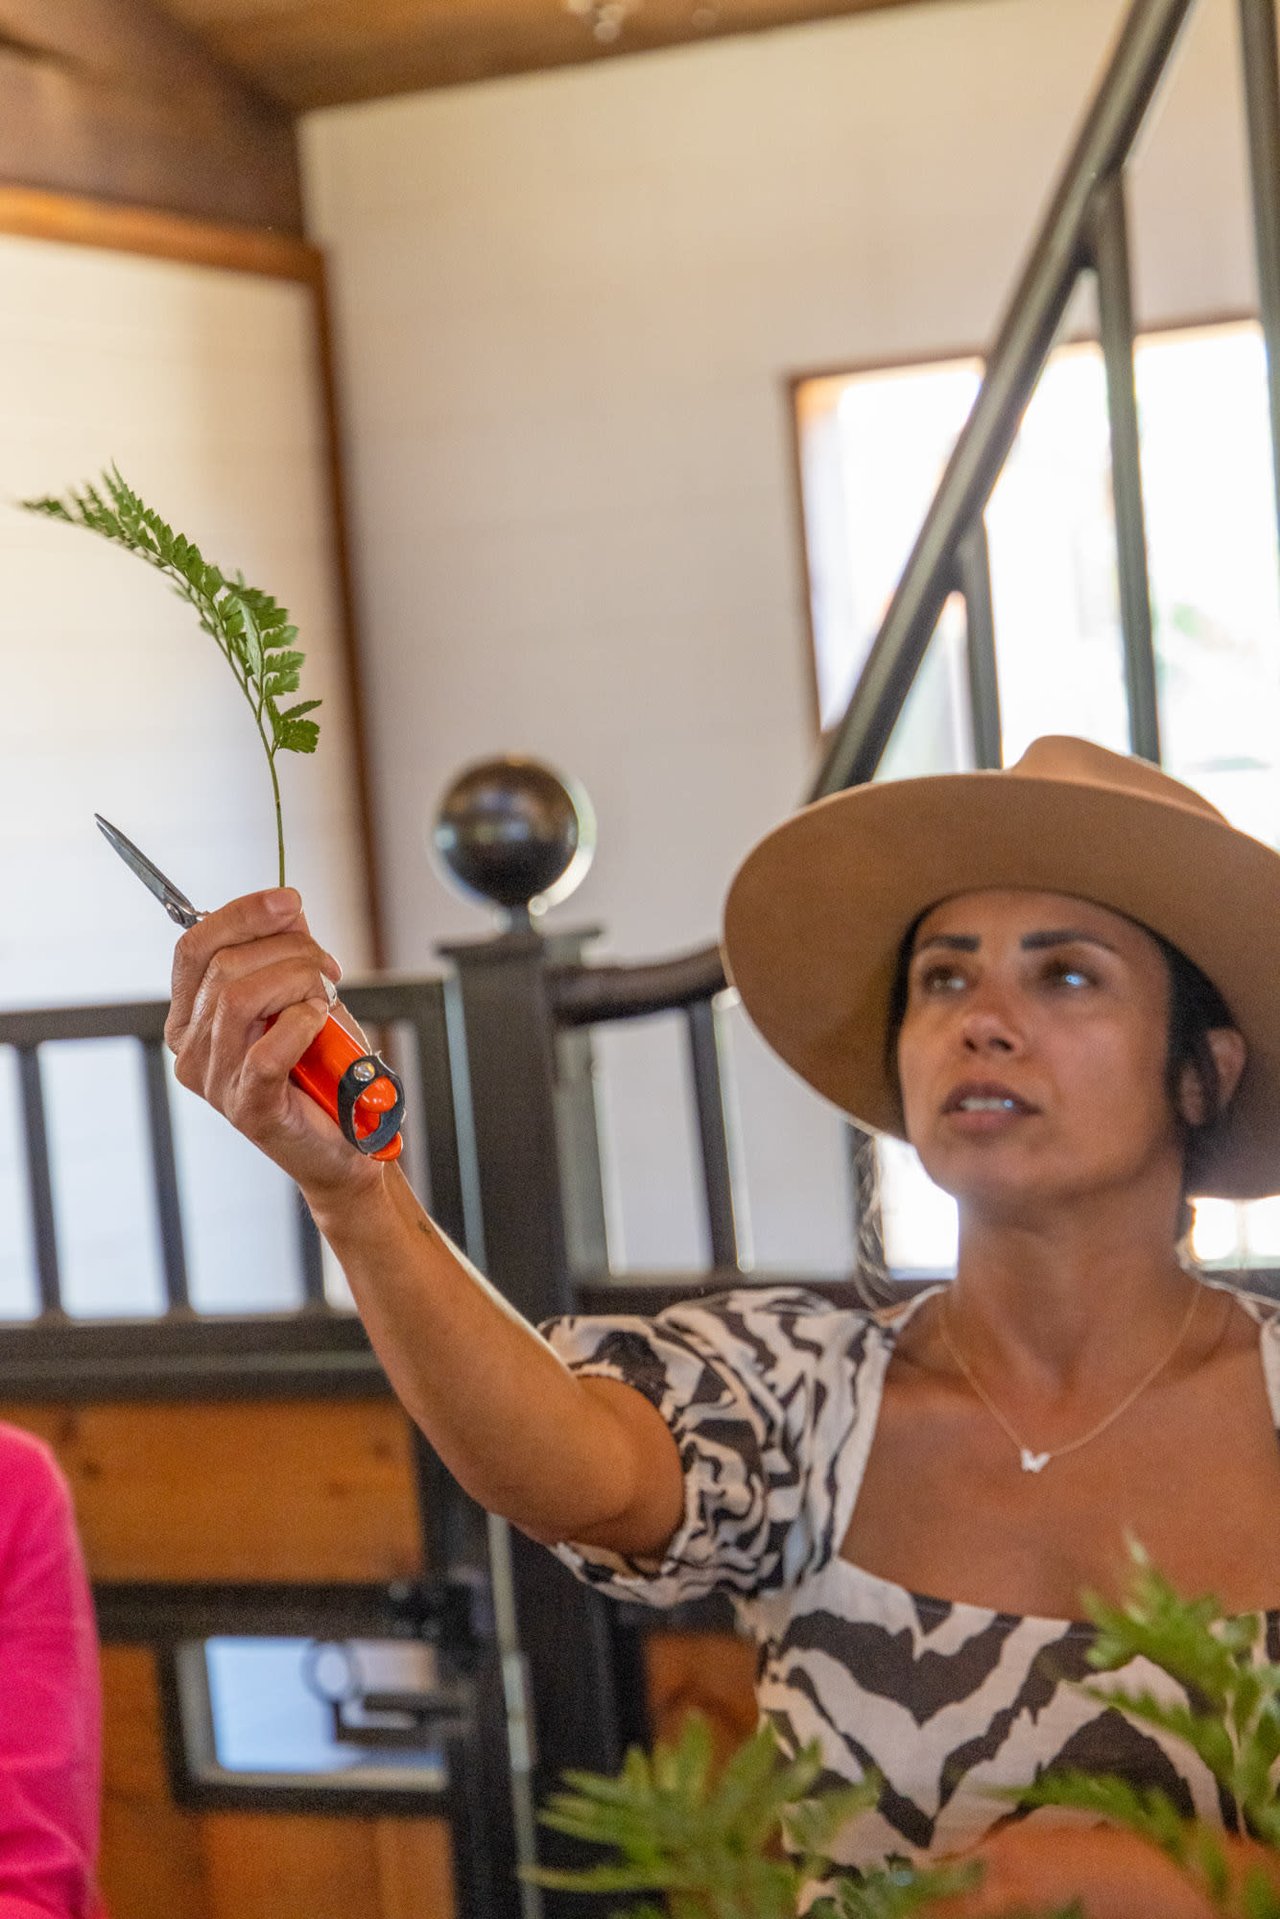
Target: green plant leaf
{"x":251,"y":629}
{"x":1145,"y":1810}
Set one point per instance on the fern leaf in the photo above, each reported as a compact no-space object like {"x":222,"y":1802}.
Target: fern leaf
{"x":251,"y":628}
{"x":1145,"y":1810}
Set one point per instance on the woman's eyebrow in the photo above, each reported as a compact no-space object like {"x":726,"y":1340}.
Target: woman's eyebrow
{"x":954,"y":943}
{"x":1030,"y":942}
{"x":1068,"y":936}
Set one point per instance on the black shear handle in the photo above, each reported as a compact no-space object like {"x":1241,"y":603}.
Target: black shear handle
{"x":363,"y":1073}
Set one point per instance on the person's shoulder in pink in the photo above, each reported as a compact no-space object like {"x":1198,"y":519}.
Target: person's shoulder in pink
{"x":50,"y":1702}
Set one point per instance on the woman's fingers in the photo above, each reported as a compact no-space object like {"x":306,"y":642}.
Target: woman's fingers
{"x":261,"y":1096}
{"x":250,"y":995}
{"x":242,"y":923}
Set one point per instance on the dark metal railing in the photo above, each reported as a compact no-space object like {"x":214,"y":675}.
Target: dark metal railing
{"x":586,"y":995}
{"x":412,"y":1011}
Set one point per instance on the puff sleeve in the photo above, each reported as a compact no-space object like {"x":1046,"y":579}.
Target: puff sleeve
{"x":752,"y":1386}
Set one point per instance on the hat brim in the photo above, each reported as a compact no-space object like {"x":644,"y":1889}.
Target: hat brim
{"x":817,"y":913}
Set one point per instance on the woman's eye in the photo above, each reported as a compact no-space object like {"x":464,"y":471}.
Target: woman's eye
{"x":1062,"y":974}
{"x":940,"y":979}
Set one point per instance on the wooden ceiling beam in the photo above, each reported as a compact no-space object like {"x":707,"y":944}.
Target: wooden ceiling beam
{"x":114,"y":99}
{"x":328,"y":52}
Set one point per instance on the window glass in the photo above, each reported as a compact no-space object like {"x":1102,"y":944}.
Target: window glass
{"x":298,"y":1712}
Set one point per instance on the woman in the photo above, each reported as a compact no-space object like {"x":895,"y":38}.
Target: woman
{"x":49,"y":1697}
{"x":1055,"y":981}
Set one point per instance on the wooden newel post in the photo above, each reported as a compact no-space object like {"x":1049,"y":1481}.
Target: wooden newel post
{"x":520,"y":837}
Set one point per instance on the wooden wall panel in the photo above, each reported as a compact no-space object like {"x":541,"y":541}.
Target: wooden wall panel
{"x":152,"y":1863}
{"x":110,"y":97}
{"x":268,"y":1866}
{"x":710,"y":1673}
{"x":415,"y":1869}
{"x":74,"y":220}
{"x":286,"y":1866}
{"x":159,"y":1862}
{"x":302,"y":1490}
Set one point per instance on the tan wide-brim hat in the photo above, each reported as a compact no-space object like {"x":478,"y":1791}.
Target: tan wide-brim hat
{"x":818,"y":911}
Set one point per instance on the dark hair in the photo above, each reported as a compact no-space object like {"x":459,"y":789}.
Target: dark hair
{"x":1196,"y":1008}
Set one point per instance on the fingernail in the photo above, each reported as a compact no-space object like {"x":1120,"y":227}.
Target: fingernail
{"x":332,"y":967}
{"x":283,"y":903}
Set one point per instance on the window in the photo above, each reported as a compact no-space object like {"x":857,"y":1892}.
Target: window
{"x":281,"y":1716}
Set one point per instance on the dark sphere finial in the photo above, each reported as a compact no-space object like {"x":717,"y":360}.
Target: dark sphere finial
{"x":517,"y":833}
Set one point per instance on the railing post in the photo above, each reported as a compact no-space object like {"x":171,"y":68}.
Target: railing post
{"x":527,"y":1094}
{"x":973,"y":576}
{"x":728,"y":1231}
{"x":522,"y":1108}
{"x":1110,"y":245}
{"x":44,"y":1224}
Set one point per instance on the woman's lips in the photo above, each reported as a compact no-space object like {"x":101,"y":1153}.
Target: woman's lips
{"x":985,"y":1106}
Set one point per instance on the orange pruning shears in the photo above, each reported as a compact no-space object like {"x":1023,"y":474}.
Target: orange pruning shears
{"x":358,"y":1090}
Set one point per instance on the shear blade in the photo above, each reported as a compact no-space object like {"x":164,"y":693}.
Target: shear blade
{"x":175,"y":903}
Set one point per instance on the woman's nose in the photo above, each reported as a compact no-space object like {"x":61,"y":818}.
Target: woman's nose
{"x":988,"y":1029}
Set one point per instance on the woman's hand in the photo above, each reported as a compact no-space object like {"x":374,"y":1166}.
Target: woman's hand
{"x":248,"y":1000}
{"x":1112,"y":1874}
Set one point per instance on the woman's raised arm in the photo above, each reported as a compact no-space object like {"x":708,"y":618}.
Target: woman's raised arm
{"x":562,"y":1458}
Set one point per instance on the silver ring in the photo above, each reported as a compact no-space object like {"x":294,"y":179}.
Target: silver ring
{"x":330,"y":990}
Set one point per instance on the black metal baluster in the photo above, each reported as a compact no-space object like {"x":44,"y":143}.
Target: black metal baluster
{"x":502,"y":1046}
{"x":1115,"y":320}
{"x":164,"y":1167}
{"x":310,"y":1261}
{"x":974,"y":580}
{"x":1258,"y":42}
{"x":449,"y":1120}
{"x":714,"y":1133}
{"x":44,"y":1228}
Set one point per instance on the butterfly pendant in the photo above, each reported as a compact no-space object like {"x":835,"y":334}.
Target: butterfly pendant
{"x":1034,"y":1462}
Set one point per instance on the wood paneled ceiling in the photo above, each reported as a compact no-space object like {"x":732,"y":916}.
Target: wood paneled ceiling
{"x":314,"y":53}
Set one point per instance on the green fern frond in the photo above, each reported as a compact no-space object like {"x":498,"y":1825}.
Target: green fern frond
{"x":251,"y":630}
{"x":897,"y":1890}
{"x":1145,"y":1810}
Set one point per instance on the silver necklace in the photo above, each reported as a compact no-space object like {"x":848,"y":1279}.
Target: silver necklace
{"x":1033,"y":1462}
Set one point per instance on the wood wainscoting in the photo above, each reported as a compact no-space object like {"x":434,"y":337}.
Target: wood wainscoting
{"x":200,"y":1492}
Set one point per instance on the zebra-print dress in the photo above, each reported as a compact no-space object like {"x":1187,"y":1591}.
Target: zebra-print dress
{"x":773,"y":1395}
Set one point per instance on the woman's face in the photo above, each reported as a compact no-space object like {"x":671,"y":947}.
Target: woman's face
{"x":1033,"y":1047}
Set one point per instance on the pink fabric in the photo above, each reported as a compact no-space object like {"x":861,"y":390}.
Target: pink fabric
{"x":50,"y":1707}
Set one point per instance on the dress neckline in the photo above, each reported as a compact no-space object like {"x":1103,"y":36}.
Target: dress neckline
{"x":888,"y":1325}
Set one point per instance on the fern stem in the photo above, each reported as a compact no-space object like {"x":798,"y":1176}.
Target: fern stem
{"x":275,"y":794}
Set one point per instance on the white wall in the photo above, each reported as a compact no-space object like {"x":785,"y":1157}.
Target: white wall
{"x":568,"y":307}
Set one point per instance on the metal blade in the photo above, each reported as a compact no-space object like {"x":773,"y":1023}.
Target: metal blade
{"x":175,"y":904}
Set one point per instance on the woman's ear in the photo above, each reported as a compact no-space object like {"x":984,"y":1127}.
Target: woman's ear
{"x":1229,"y":1055}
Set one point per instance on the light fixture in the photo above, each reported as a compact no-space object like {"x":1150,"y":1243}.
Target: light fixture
{"x":605,"y":18}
